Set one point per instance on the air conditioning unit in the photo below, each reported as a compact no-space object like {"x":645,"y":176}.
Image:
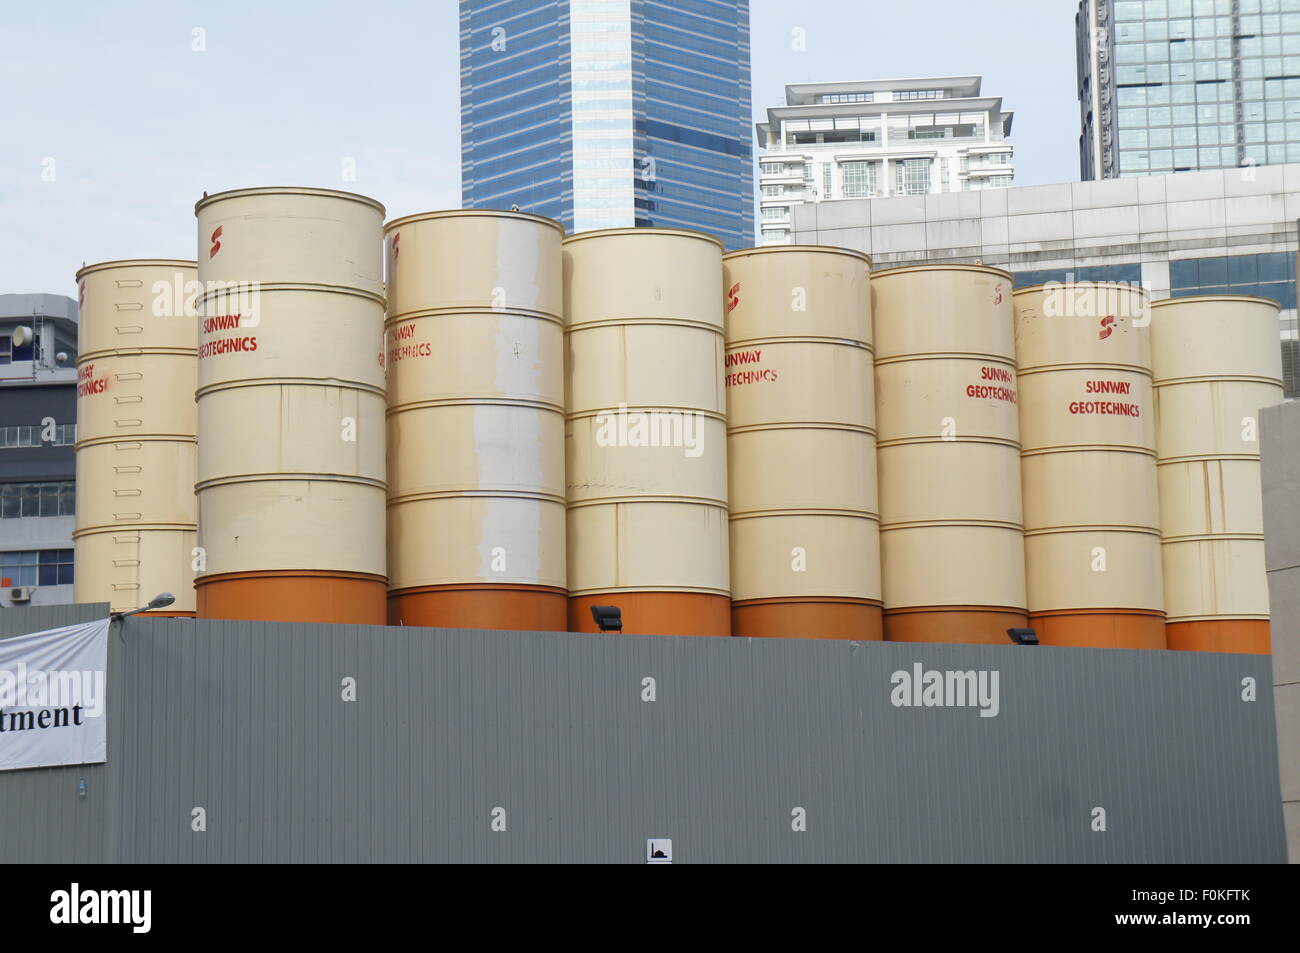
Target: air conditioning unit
{"x":20,"y":594}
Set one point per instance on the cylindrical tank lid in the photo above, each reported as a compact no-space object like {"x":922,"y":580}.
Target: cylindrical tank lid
{"x":471,"y":213}
{"x":134,"y":263}
{"x":680,"y":232}
{"x":983,"y":269}
{"x":1256,"y":299}
{"x":287,"y":190}
{"x":771,"y":249}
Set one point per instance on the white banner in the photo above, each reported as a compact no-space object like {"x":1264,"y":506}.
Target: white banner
{"x":52,"y":697}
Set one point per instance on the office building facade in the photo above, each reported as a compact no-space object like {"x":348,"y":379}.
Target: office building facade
{"x":38,"y":414}
{"x":1219,"y":232}
{"x":609,"y":113}
{"x":879,"y":138}
{"x":1187,"y":85}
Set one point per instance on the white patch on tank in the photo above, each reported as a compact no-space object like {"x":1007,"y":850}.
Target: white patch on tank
{"x":516,"y":527}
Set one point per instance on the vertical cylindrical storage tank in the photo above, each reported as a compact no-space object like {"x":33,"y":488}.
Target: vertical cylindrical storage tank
{"x":475,"y":352}
{"x":801,"y":462}
{"x":1216,"y":362}
{"x":291,"y":481}
{"x":645,"y":434}
{"x":952,"y":537}
{"x":1087,"y":430}
{"x":136,"y":512}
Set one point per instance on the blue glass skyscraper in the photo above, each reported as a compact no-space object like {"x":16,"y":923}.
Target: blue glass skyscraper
{"x":610,"y":113}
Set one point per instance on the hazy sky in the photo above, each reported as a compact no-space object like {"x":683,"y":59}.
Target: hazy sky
{"x":113,"y":124}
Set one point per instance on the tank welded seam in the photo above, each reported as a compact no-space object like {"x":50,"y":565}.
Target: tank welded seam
{"x":838,"y":512}
{"x":476,"y":401}
{"x":128,"y":438}
{"x":650,"y":589}
{"x":1212,"y":538}
{"x":1216,"y":617}
{"x":282,"y":477}
{"x":87,"y":357}
{"x":532,"y":314}
{"x":376,"y":389}
{"x":857,"y":344}
{"x":1138,"y":369}
{"x":865,"y":431}
{"x":964,"y":522}
{"x":957,"y":441}
{"x":1089,"y":448}
{"x":103,"y":529}
{"x":1219,"y":379}
{"x":1067,"y":528}
{"x":643,"y":408}
{"x":241,"y":288}
{"x":478,"y":492}
{"x":708,"y":326}
{"x":1208,"y":458}
{"x":1007,"y":359}
{"x":711,"y":502}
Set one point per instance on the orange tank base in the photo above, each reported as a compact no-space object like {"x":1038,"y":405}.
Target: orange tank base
{"x":1241,"y":636}
{"x":529,"y":608}
{"x":807,"y":618}
{"x":1100,"y":628}
{"x":970,"y":625}
{"x":286,"y":595}
{"x":657,"y":613}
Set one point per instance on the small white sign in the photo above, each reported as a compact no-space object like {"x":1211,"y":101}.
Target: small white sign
{"x":658,"y":850}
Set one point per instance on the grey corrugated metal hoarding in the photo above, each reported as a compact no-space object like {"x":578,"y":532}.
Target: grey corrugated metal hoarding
{"x":742,"y":738}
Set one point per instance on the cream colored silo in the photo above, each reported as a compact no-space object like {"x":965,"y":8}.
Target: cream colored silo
{"x":291,"y":477}
{"x":1216,"y":361}
{"x":646,"y":430}
{"x":135,"y":512}
{"x":475,"y":354}
{"x":1087,"y":430}
{"x":805,"y":535}
{"x":952,"y":532}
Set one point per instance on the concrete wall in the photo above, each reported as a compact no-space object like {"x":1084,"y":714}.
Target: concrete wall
{"x":1147,"y":219}
{"x":1280,"y":449}
{"x":247,"y":721}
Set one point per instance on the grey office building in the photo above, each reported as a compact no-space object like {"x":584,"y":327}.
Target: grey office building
{"x":38,"y":414}
{"x":1185,"y":85}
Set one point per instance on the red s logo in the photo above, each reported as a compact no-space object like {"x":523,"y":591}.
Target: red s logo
{"x":1106,"y":329}
{"x":81,"y":294}
{"x":733,"y":297}
{"x":997,"y":294}
{"x":397,"y":237}
{"x":216,"y":245}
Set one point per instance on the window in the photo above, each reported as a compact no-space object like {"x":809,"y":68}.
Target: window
{"x":37,"y":567}
{"x":772,"y":191}
{"x":826,"y":181}
{"x":858,"y":179}
{"x":848,"y":98}
{"x":6,"y":349}
{"x":778,"y":212}
{"x":18,"y":500}
{"x":912,"y":177}
{"x":30,"y":435}
{"x":903,"y":95}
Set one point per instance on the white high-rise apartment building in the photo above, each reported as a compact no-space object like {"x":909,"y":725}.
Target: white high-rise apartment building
{"x":879,"y":138}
